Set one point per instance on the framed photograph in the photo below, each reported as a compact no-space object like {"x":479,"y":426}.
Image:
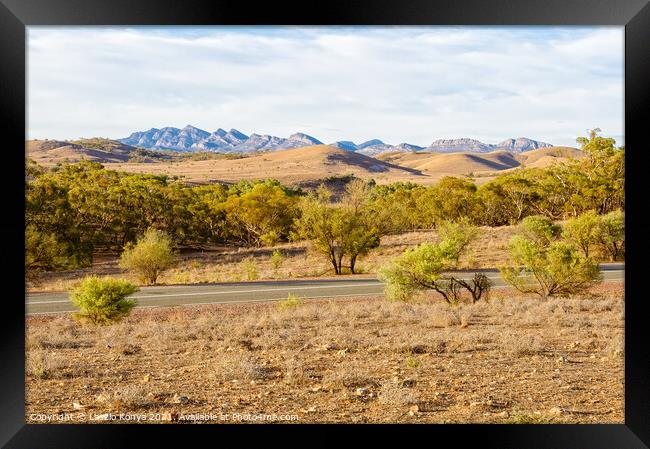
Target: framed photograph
{"x":354,"y":213}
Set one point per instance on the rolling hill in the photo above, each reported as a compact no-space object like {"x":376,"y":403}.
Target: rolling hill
{"x":293,"y":166}
{"x":304,"y":165}
{"x":543,"y":157}
{"x":52,"y":152}
{"x":483,"y":166}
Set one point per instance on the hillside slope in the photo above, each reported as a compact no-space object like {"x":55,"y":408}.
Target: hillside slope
{"x":52,"y":152}
{"x":292,"y":166}
{"x":484,"y":165}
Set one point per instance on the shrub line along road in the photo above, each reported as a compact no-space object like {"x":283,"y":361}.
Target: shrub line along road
{"x":257,"y":291}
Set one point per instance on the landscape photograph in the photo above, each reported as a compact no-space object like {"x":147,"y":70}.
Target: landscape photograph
{"x":325,"y":224}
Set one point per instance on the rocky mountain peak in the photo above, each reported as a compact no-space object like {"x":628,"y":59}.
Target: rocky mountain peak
{"x":369,"y":143}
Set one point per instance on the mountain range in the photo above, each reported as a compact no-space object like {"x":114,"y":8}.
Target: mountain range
{"x":191,"y":138}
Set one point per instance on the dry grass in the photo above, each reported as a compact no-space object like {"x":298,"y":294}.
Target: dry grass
{"x":233,"y":264}
{"x":515,"y":359}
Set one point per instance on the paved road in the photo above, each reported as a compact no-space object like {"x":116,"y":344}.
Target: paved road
{"x":178,"y":295}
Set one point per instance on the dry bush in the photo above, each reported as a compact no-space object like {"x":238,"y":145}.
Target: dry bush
{"x":446,"y":318}
{"x":521,"y":345}
{"x":295,"y":372}
{"x":615,"y":347}
{"x":351,"y":376}
{"x":396,"y":395}
{"x":131,"y":396}
{"x":43,"y":365}
{"x":239,"y":365}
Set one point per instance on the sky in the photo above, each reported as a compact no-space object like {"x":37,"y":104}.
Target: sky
{"x":397,"y":84}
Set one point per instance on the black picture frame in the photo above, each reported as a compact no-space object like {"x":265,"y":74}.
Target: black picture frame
{"x":15,"y":15}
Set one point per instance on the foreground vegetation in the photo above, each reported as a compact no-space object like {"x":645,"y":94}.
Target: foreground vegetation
{"x":513,"y":359}
{"x":79,"y":209}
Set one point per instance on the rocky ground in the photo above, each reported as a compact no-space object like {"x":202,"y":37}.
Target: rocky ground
{"x":515,"y":359}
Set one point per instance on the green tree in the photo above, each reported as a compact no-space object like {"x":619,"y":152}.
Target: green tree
{"x":322,"y":224}
{"x":103,"y":301}
{"x":151,"y":255}
{"x":360,"y":228}
{"x":508,"y":198}
{"x":338,"y":231}
{"x":582,"y":231}
{"x":610,"y":234}
{"x":451,"y":199}
{"x":601,"y":174}
{"x":422,"y":267}
{"x":540,"y":230}
{"x":395,"y":208}
{"x":261,"y":215}
{"x":44,"y":251}
{"x":542,"y":263}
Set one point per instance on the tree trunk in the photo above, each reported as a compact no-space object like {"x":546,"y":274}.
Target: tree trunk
{"x":353,"y":260}
{"x":336,"y":267}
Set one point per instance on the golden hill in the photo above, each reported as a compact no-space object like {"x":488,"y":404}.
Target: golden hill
{"x":543,"y":157}
{"x":483,"y":166}
{"x":52,"y":152}
{"x":297,"y":166}
{"x":293,"y":166}
{"x":453,"y":164}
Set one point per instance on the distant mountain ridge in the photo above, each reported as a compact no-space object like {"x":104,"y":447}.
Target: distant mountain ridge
{"x":191,"y":138}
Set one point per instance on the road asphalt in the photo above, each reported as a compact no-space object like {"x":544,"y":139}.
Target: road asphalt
{"x":256,"y":291}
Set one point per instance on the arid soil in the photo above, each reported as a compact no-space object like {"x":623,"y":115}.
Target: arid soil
{"x":514,"y":359}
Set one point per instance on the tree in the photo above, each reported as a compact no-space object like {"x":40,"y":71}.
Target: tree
{"x":360,"y":236}
{"x":261,"y":215}
{"x":601,"y":172}
{"x":394,"y":206}
{"x":508,"y":198}
{"x":582,"y":231}
{"x":338,"y":231}
{"x":44,"y":251}
{"x":450,"y":199}
{"x":543,"y":264}
{"x":610,"y":234}
{"x":422,"y":268}
{"x":362,"y":232}
{"x":540,"y":230}
{"x":151,"y":255}
{"x":103,"y":301}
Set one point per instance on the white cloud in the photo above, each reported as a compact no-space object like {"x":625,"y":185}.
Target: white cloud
{"x":398,"y":84}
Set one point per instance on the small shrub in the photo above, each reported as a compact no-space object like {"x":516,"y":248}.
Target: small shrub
{"x":240,"y":366}
{"x":412,"y":362}
{"x":42,"y":365}
{"x":548,"y":270}
{"x":277,"y":259}
{"x":395,"y":395}
{"x":291,"y":302}
{"x":539,"y":229}
{"x":102,"y":301}
{"x":421,"y":268}
{"x":131,"y":397}
{"x":151,"y":255}
{"x":521,"y":345}
{"x":250,"y":268}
